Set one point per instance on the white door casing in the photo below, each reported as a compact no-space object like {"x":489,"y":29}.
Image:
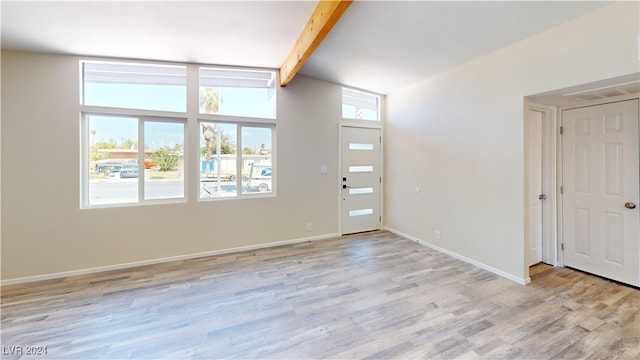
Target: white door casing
{"x":541,"y":201}
{"x":600,"y":175}
{"x":535,"y":191}
{"x":361,"y":179}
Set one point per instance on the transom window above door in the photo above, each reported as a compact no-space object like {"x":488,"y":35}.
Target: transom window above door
{"x":360,"y":105}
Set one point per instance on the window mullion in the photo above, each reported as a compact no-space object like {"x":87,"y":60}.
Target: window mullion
{"x":85,"y":161}
{"x":141,"y":174}
{"x":239,"y":160}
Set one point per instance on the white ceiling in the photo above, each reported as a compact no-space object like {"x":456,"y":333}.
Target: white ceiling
{"x":258,"y":34}
{"x":377,"y":45}
{"x":380,"y":46}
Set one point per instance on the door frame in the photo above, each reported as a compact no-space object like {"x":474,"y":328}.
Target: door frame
{"x":559,"y":110}
{"x":358,"y":124}
{"x":550,"y":132}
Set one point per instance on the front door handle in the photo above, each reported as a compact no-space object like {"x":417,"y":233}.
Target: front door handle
{"x":630,"y":205}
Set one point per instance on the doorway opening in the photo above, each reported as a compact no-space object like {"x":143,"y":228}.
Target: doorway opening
{"x":546,"y":221}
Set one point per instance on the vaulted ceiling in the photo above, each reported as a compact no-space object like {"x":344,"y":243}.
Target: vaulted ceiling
{"x":376,"y":45}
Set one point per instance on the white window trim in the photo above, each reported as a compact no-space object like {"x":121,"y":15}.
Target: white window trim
{"x":378,"y":109}
{"x":191,"y":120}
{"x":259,"y":81}
{"x":268,"y":124}
{"x":85,"y":162}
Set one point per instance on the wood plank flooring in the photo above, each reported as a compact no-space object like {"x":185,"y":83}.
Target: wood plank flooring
{"x":368,"y":296}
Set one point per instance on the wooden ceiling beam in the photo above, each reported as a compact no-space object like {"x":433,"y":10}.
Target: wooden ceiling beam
{"x":326,"y":14}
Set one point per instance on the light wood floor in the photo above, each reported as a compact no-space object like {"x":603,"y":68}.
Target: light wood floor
{"x":372,"y":296}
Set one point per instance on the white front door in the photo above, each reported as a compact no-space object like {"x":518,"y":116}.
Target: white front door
{"x":535,"y":193}
{"x":601,"y":181}
{"x":361,"y":179}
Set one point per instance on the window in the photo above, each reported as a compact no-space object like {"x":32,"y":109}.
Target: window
{"x":256,"y":159}
{"x":360,"y":105}
{"x":134,"y":86}
{"x":134,"y":117}
{"x":246,"y":93}
{"x":225,"y":171}
{"x":218,"y":159}
{"x":163,"y":160}
{"x":113,"y":143}
{"x":128,"y":158}
{"x":121,"y":171}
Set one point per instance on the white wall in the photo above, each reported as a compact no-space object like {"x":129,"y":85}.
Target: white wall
{"x":44,"y":231}
{"x":459,"y":136}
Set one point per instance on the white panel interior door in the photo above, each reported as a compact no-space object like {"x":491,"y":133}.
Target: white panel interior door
{"x":361,"y":179}
{"x":601,"y":226}
{"x":534,"y":153}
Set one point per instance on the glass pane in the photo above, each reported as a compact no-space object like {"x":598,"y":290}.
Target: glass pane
{"x":358,"y":169}
{"x":218,"y":174}
{"x":361,"y":212}
{"x":113,"y":145}
{"x":360,"y":146}
{"x":163,"y":160}
{"x":256,"y":160}
{"x":359,"y":105}
{"x":360,"y":191}
{"x":135,"y":86}
{"x":247,"y":93}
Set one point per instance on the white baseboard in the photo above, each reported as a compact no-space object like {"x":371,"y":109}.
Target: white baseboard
{"x":521,"y":281}
{"x":160,"y":260}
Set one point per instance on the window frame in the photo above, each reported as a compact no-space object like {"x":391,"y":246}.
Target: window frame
{"x":377,"y":97}
{"x":225,"y":119}
{"x":230,"y":81}
{"x":141,"y":64}
{"x":85,"y":161}
{"x":190,"y":119}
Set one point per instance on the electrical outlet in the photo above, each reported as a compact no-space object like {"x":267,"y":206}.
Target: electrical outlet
{"x":437,"y":236}
{"x":309,"y":227}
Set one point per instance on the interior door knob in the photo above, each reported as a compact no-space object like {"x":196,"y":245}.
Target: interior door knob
{"x":630,"y":205}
